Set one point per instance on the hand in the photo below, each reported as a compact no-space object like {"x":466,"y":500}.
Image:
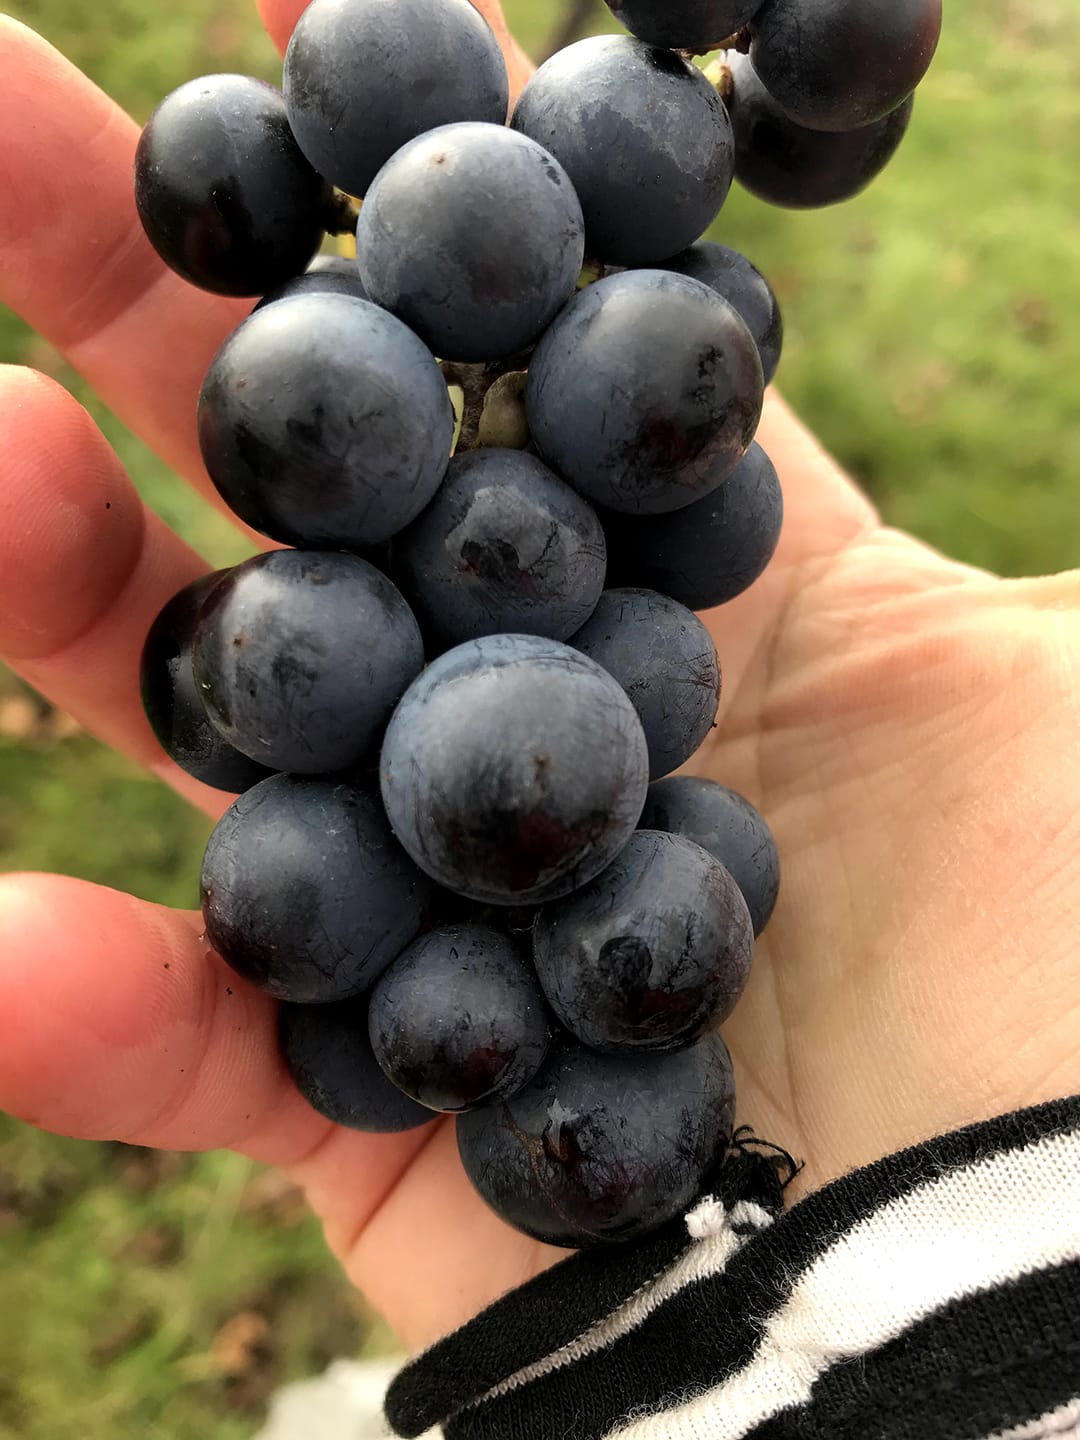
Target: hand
{"x":908,"y":726}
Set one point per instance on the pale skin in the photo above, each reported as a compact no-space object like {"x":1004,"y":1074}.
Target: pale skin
{"x":907,"y":724}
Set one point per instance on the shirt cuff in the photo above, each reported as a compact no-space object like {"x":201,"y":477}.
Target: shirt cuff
{"x":932,"y":1295}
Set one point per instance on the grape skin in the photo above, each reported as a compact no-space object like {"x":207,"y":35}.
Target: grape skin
{"x":328,"y":1054}
{"x":326,"y":275}
{"x":646,"y":391}
{"x":511,"y":784}
{"x":473,"y":235}
{"x":301,"y":656}
{"x":364,"y":77}
{"x":171,"y":699}
{"x":504,"y":546}
{"x":223,"y":192}
{"x":698,"y":25}
{"x":602,"y":1148}
{"x":728,"y":826}
{"x":458,"y":1019}
{"x":325,"y":423}
{"x":837,"y":65}
{"x":744,"y":287}
{"x":664,"y":658}
{"x":709,"y":552}
{"x":788,"y":165}
{"x":305,"y":891}
{"x":652,"y":953}
{"x":514,"y":769}
{"x":613,"y":110}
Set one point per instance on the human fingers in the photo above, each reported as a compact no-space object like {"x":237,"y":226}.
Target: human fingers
{"x":116,"y":302}
{"x":85,"y":567}
{"x":121,"y":1023}
{"x":75,"y":263}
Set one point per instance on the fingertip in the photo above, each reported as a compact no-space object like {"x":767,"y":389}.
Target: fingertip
{"x":71,"y":523}
{"x":280,"y":17}
{"x":120,"y":1023}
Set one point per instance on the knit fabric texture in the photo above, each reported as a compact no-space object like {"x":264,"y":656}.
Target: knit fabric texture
{"x":932,"y":1295}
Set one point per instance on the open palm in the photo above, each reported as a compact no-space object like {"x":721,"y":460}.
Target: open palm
{"x":907,"y":725}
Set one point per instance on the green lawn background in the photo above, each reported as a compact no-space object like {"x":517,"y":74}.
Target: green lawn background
{"x":932,"y":340}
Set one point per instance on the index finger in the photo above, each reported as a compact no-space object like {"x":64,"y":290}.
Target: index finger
{"x":74,"y":261}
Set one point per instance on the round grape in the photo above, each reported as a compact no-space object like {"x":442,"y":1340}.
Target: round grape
{"x":325,"y":423}
{"x":652,"y":953}
{"x":709,"y":552}
{"x":364,"y":77}
{"x":223,"y":192}
{"x":726,"y":825}
{"x":326,"y":275}
{"x":472,"y":235}
{"x":646,"y":391}
{"x":744,"y":287}
{"x":306,"y":893}
{"x":664,"y":658}
{"x":172,"y":702}
{"x":788,"y":165}
{"x":842,"y":64}
{"x":458,"y":1019}
{"x":300,"y":658}
{"x":328,"y":1054}
{"x":504,"y":546}
{"x":602,"y":1148}
{"x":514,"y":769}
{"x":697,"y":25}
{"x":644,"y":137}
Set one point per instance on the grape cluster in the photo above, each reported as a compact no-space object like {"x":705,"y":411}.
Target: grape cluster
{"x":452,"y":697}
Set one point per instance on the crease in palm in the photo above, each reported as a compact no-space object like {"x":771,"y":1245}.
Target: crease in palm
{"x":907,"y":726}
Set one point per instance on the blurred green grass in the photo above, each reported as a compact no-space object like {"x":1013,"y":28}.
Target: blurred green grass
{"x":931,"y":341}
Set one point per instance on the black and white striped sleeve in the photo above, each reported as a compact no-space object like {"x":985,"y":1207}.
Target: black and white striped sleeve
{"x":932,"y":1295}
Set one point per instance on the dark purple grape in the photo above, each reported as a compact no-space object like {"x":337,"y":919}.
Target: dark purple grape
{"x":728,"y":826}
{"x":785,"y":164}
{"x":325,"y":423}
{"x":744,"y":287}
{"x":306,"y":893}
{"x":646,"y":391}
{"x":602,"y":1148}
{"x":514,"y":769}
{"x":326,"y":275}
{"x":645,"y":140}
{"x":664,"y":658}
{"x":328,"y":1054}
{"x":697,"y":25}
{"x":458,"y":1019}
{"x":222,"y":189}
{"x":363,"y":77}
{"x":711,"y":551}
{"x":504,"y":546}
{"x":652,"y":953}
{"x":300,"y":658}
{"x":472,"y":235}
{"x":171,"y":700}
{"x":841,"y":64}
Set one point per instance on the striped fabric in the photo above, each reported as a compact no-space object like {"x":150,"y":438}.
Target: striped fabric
{"x":933,"y":1295}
